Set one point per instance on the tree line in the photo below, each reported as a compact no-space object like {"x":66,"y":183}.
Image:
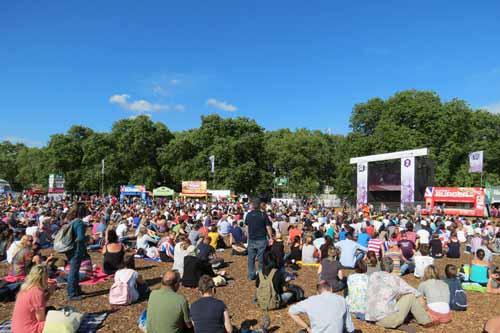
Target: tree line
{"x":249,"y":158}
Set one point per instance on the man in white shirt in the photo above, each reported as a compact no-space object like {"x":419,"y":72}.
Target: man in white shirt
{"x":422,"y":261}
{"x":327,"y":312}
{"x":122,"y":229}
{"x":423,"y":235}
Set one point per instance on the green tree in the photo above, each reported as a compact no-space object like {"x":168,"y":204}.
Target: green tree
{"x":8,"y":155}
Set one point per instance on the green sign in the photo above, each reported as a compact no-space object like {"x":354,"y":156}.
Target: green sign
{"x":281,"y":181}
{"x":163,"y":191}
{"x":493,"y":194}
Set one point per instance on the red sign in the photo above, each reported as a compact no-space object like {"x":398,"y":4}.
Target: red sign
{"x":464,"y":201}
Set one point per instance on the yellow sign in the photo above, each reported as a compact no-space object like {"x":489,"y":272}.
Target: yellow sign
{"x":194,"y":188}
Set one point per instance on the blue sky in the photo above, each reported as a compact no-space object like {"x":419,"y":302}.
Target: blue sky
{"x":284,"y":63}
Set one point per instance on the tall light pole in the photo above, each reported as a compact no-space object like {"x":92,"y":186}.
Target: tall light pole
{"x":102,"y":177}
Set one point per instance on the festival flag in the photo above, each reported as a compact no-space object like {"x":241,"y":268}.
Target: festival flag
{"x":362,"y":188}
{"x":476,"y":161}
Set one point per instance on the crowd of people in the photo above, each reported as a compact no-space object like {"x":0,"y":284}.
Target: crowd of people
{"x":361,"y":258}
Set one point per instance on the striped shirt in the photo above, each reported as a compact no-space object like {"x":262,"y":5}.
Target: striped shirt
{"x":375,"y":245}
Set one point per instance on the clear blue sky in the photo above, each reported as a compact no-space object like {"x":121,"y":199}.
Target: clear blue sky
{"x":284,"y":63}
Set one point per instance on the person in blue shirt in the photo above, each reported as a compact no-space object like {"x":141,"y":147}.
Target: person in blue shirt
{"x":237,"y":234}
{"x":350,"y":251}
{"x":137,"y":221}
{"x":342,"y":234}
{"x":363,"y":238}
{"x":331,"y":231}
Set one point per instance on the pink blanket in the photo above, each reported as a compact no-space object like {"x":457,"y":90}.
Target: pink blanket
{"x":12,"y":279}
{"x":98,"y":276}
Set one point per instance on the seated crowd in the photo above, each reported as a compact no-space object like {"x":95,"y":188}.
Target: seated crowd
{"x":361,"y":261}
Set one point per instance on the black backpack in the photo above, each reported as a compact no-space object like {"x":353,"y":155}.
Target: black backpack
{"x":298,"y":292}
{"x":458,"y":297}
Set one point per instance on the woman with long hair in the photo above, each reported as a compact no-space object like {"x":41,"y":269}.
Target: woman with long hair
{"x":182,"y":249}
{"x":30,"y":308}
{"x":436,"y":294}
{"x":329,"y":270}
{"x":372,"y":263}
{"x":113,"y":253}
{"x":22,"y":258}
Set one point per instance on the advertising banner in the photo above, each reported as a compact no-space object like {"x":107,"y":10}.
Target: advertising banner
{"x":220,"y":194}
{"x":464,"y":201}
{"x":163,"y":191}
{"x":476,"y":161}
{"x":133,"y":188}
{"x":194,"y":188}
{"x":407,"y":182}
{"x":362,"y":186}
{"x":453,"y":194}
{"x":56,"y":183}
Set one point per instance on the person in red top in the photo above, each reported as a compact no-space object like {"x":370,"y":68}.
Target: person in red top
{"x":294,"y":231}
{"x":370,"y":229}
{"x":30,"y":308}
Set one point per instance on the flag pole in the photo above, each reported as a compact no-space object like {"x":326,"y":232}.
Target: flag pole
{"x":102,"y":177}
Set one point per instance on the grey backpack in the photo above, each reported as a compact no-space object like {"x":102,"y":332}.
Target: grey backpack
{"x":63,"y":240}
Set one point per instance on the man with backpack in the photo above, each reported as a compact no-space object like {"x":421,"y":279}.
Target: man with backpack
{"x":71,"y":240}
{"x":271,"y":283}
{"x":259,"y":232}
{"x":458,"y":297}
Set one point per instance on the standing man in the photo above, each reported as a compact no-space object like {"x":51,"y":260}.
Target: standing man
{"x":259,"y":233}
{"x":79,"y":250}
{"x":168,"y":311}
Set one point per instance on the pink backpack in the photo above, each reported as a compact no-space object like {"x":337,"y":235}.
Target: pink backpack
{"x":120,"y":294}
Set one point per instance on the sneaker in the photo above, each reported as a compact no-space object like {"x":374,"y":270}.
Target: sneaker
{"x":407,"y":328}
{"x":75,"y":298}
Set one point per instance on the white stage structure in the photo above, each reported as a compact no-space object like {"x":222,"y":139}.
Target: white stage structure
{"x":407,"y":158}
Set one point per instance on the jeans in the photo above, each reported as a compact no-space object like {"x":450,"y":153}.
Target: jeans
{"x":255,"y":249}
{"x":359,"y":315}
{"x":359,"y":255}
{"x":407,"y":268}
{"x":74,"y":276}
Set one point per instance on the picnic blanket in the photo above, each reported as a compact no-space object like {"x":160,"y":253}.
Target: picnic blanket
{"x":151,"y":259}
{"x":137,"y":256}
{"x":471,"y":286}
{"x":300,"y":263}
{"x":14,"y":279}
{"x":98,"y":276}
{"x":91,"y":322}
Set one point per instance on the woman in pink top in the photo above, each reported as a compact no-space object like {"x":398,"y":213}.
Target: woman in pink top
{"x":29,"y":310}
